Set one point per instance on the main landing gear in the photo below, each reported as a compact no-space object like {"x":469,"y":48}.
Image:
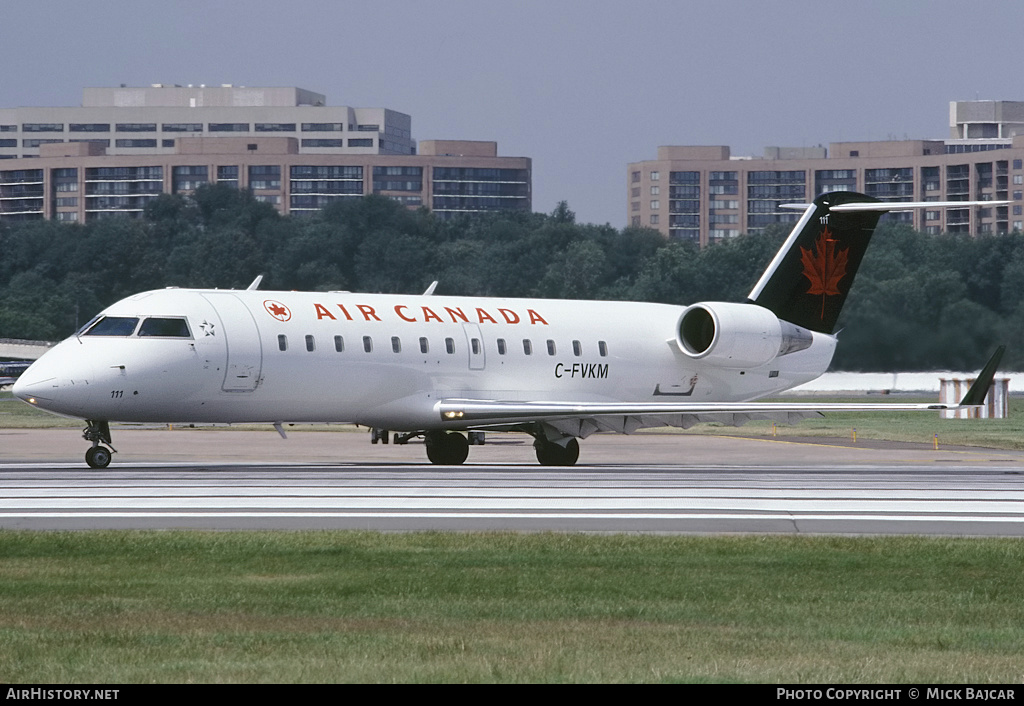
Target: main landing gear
{"x":450,"y":448}
{"x":446,"y":448}
{"x":550,"y":453}
{"x":98,"y":433}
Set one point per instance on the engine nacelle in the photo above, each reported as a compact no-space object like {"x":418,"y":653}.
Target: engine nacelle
{"x":737,"y":335}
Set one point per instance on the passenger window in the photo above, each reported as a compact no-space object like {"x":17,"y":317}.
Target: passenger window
{"x":602,"y":348}
{"x":367,"y":344}
{"x":113,"y":326}
{"x":424,"y":345}
{"x":396,"y":344}
{"x":527,"y":346}
{"x":167,"y":328}
{"x":577,"y":348}
{"x":282,"y":342}
{"x":339,"y":344}
{"x":474,"y":344}
{"x":551,"y":347}
{"x":501,"y":346}
{"x":310,"y":344}
{"x":449,"y":345}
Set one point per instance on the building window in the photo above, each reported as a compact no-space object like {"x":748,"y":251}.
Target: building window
{"x":655,"y":176}
{"x":135,"y":143}
{"x":360,"y":142}
{"x":275,"y":127}
{"x":311,"y":142}
{"x":654,"y":219}
{"x":42,"y":127}
{"x":229,"y":127}
{"x":265,"y":177}
{"x":136,"y":127}
{"x":655,"y":205}
{"x":89,"y":127}
{"x":321,"y":127}
{"x":182,"y":127}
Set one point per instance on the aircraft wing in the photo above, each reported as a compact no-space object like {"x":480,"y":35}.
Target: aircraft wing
{"x":584,"y":418}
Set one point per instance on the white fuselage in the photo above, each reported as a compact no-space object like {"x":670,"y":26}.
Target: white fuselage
{"x":385,"y":360}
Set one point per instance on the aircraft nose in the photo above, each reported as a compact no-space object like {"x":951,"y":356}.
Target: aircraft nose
{"x":57,"y":382}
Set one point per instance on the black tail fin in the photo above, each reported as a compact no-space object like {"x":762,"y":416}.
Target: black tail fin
{"x":807,"y":282}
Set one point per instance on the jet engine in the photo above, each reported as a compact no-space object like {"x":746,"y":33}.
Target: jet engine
{"x":735,"y":335}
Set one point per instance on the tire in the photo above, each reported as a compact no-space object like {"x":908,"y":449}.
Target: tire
{"x":98,"y":457}
{"x":447,"y":449}
{"x":551,"y":454}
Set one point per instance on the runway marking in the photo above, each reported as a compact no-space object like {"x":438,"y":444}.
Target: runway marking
{"x":510,"y":515}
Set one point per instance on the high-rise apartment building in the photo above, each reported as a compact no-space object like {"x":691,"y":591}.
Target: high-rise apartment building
{"x":125,"y":146}
{"x":704,"y":194}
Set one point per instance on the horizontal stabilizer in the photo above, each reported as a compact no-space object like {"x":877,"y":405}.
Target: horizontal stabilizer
{"x":886,"y":206}
{"x":906,"y":205}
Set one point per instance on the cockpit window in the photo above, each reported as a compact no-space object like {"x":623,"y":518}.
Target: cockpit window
{"x":170,"y":328}
{"x":113,"y":326}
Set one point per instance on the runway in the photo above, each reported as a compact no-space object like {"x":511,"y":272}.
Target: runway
{"x":213,"y":480}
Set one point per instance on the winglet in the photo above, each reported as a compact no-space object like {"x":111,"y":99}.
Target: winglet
{"x":979,"y":390}
{"x":255,"y":283}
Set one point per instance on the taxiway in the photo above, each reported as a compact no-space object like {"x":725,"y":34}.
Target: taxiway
{"x":670,"y":483}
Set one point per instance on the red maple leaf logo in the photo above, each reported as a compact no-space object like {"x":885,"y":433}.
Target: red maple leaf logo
{"x":825,"y":267}
{"x":278,"y":310}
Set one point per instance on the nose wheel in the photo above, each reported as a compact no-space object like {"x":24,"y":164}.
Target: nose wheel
{"x":98,"y":457}
{"x":98,"y":433}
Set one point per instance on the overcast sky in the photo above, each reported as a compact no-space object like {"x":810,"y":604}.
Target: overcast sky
{"x":581,"y":87}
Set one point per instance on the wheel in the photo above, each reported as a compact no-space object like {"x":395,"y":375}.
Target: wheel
{"x":447,"y":449}
{"x":551,"y":454}
{"x":98,"y":457}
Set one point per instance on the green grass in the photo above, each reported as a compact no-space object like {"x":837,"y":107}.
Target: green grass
{"x":128,"y":607}
{"x":15,"y":414}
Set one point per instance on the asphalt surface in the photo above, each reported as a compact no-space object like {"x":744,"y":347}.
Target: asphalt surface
{"x":671,"y":483}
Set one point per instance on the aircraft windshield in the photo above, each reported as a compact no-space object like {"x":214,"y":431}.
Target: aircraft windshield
{"x":172,"y":328}
{"x":113,"y":326}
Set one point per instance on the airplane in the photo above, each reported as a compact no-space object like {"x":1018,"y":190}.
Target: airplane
{"x":437,"y":366}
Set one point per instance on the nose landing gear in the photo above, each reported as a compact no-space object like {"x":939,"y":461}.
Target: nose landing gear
{"x":98,"y":432}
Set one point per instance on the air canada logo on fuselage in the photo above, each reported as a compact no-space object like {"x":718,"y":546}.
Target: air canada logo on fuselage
{"x":278,"y":310}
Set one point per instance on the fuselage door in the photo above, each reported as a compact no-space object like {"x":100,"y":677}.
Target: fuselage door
{"x":475,"y":344}
{"x":242,"y":338}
